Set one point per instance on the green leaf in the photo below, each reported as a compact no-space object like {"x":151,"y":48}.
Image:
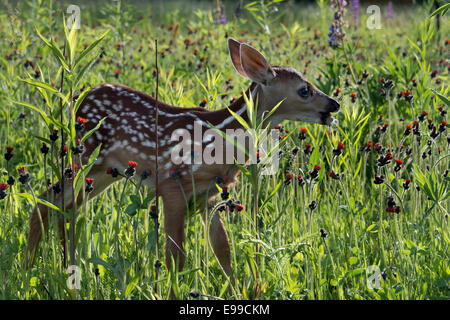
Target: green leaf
{"x":45,"y":86}
{"x":90,"y":132}
{"x":80,"y":100}
{"x":99,"y":261}
{"x":443,"y":98}
{"x":441,"y":10}
{"x":239,"y":119}
{"x":55,"y":50}
{"x":80,"y":74}
{"x":133,"y":208}
{"x":132,"y":285}
{"x":89,"y":48}
{"x":30,"y":198}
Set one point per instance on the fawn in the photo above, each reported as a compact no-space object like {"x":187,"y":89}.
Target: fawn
{"x":128,"y":133}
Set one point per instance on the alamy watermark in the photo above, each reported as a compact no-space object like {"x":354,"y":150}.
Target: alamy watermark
{"x":74,"y":20}
{"x":74,"y":279}
{"x":374,"y":19}
{"x":373,"y":273}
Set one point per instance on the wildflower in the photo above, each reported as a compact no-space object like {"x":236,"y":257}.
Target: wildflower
{"x":314,"y":173}
{"x":10,"y":181}
{"x":24,"y":175}
{"x":323,"y":233}
{"x":78,"y":148}
{"x":56,"y":188}
{"x":8,"y":155}
{"x":334,"y":175}
{"x":300,"y":180}
{"x":116,"y":74}
{"x":221,"y":15}
{"x":44,"y":148}
{"x":174,"y":174}
{"x":378,"y":147}
{"x":308,"y":149}
{"x":385,"y":126}
{"x":337,"y":91}
{"x":154,"y":212}
{"x":54,"y":135}
{"x":145,"y":174}
{"x":422,"y":115}
{"x":131,"y":170}
{"x":64,"y":151}
{"x":416,"y":125}
{"x":382,"y":161}
{"x":312,"y":205}
{"x":302,"y":134}
{"x":391,"y":206}
{"x":3,"y":188}
{"x":353,"y":96}
{"x":289,"y":177}
{"x":89,"y":188}
{"x":379,"y":179}
{"x":204,"y":102}
{"x":390,"y":11}
{"x":79,"y":126}
{"x":388,"y":84}
{"x":239,"y":207}
{"x":334,"y":36}
{"x":68,"y":173}
{"x":398,"y":165}
{"x":434,"y":73}
{"x":406,"y":184}
{"x":338,"y":150}
{"x":442,"y":111}
{"x":407,"y":130}
{"x":434,"y":133}
{"x":224,"y":195}
{"x":355,"y":10}
{"x":367,"y":147}
{"x":443,"y":126}
{"x":113,"y":172}
{"x":194,"y":294}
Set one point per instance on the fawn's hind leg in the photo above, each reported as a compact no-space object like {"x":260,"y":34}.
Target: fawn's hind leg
{"x":101,"y":182}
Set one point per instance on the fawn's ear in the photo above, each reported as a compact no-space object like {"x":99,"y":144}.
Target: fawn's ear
{"x":255,"y":65}
{"x":233,"y":47}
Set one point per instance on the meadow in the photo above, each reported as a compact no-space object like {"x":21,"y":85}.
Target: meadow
{"x":356,"y":211}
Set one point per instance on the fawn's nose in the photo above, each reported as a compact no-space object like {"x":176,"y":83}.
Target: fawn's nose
{"x":333,"y":105}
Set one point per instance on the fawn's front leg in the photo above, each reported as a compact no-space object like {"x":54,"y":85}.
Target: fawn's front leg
{"x":102,"y":181}
{"x":174,"y":219}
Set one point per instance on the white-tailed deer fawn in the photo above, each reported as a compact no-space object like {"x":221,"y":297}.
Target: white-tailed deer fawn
{"x":128,"y":133}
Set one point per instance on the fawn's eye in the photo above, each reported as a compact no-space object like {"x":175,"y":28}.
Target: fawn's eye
{"x":304,"y":92}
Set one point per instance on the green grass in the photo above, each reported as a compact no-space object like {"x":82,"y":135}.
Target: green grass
{"x":411,"y":248}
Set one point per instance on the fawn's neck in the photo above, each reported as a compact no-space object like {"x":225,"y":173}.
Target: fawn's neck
{"x":222,"y":119}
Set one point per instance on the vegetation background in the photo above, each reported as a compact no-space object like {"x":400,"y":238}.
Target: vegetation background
{"x":314,"y":238}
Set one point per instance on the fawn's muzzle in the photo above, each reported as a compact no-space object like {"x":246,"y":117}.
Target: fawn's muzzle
{"x":333,"y":105}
